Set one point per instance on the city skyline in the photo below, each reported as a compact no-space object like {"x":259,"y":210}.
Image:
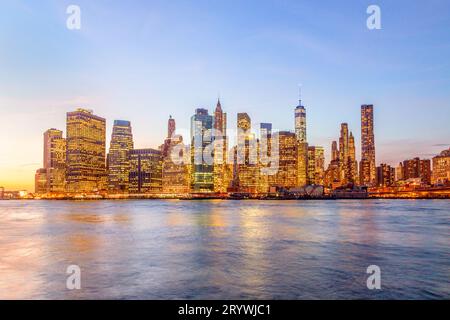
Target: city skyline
{"x":299,"y":130}
{"x":151,"y":65}
{"x":258,"y":163}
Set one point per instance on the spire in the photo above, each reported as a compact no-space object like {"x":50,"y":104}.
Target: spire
{"x":219,"y":106}
{"x":299,"y":94}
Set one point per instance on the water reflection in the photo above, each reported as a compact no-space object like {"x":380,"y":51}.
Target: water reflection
{"x":224,"y":249}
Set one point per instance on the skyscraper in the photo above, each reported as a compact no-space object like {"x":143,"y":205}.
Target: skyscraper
{"x":367,"y":164}
{"x":55,"y":160}
{"x":85,"y":156}
{"x":344,"y":153}
{"x":175,"y":175}
{"x":416,"y":168}
{"x":385,"y":175}
{"x":300,"y":122}
{"x":222,"y":171}
{"x":316,"y":165}
{"x":334,"y":151}
{"x":352,"y":162}
{"x":247,"y":155}
{"x":302,"y":144}
{"x":265,"y":157}
{"x":40,"y":181}
{"x":118,"y":156}
{"x":171,"y":127}
{"x":286,"y":176}
{"x":202,"y":173}
{"x":145,"y":171}
{"x":347,"y":157}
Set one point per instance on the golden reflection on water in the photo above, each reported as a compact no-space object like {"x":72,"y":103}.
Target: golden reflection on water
{"x":20,"y":266}
{"x":20,"y":254}
{"x":152,"y":248}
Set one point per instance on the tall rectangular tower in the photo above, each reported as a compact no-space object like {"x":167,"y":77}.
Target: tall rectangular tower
{"x":85,"y":156}
{"x":118,"y":156}
{"x":202,"y":174}
{"x":302,"y":144}
{"x":367,"y":165}
{"x":54,"y":160}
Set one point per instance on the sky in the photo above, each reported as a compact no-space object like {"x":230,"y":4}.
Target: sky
{"x":145,"y":60}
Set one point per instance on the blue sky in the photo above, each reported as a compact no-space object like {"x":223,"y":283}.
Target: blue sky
{"x":145,"y":60}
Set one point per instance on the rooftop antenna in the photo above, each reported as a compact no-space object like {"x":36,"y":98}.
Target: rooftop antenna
{"x":299,"y":94}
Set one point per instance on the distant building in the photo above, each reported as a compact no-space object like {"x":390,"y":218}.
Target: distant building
{"x":441,"y":168}
{"x":332,"y":174}
{"x":175,"y":174}
{"x":352,"y":162}
{"x":367,"y":172}
{"x":316,"y":165}
{"x":334,"y":151}
{"x":40,"y":181}
{"x":347,"y":157}
{"x":86,"y":151}
{"x":248,"y":169}
{"x":302,"y":145}
{"x":286,"y":177}
{"x":222,"y":171}
{"x":416,"y":168}
{"x":145,"y":171}
{"x":399,"y":172}
{"x":118,"y":156}
{"x":300,"y":122}
{"x":55,"y":160}
{"x":385,"y":175}
{"x":265,"y":157}
{"x":202,"y":170}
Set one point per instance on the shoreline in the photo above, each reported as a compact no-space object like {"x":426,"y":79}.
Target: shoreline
{"x":88,"y":198}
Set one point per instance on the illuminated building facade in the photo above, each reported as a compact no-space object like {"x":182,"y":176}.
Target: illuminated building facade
{"x":334,"y":151}
{"x":85,"y":156}
{"x":344,"y":154}
{"x":316,"y":165}
{"x":202,"y":174}
{"x":385,"y":175}
{"x":300,"y":122}
{"x":441,"y":168}
{"x":352,"y":162}
{"x":416,"y":168}
{"x":175,"y":172}
{"x":248,"y":169}
{"x":171,"y":127}
{"x":367,"y":163}
{"x":55,"y":160}
{"x":40,"y":181}
{"x":265,"y":157}
{"x":399,"y":172}
{"x":332,"y":174}
{"x":347,"y":157}
{"x":302,"y":164}
{"x":302,"y":145}
{"x":286,"y":176}
{"x":145,"y":171}
{"x":222,"y":171}
{"x":118,"y":157}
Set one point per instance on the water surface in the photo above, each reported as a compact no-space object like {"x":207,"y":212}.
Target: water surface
{"x":153,"y":249}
